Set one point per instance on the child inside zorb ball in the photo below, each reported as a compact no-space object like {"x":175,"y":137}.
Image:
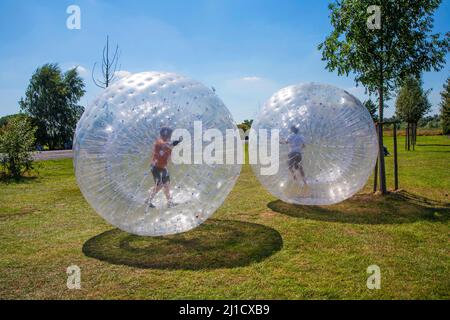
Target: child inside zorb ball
{"x":296,"y":144}
{"x":123,"y":155}
{"x":162,"y":150}
{"x":332,"y":144}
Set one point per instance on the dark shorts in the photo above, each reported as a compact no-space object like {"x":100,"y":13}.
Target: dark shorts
{"x":294,"y":160}
{"x":161,"y":175}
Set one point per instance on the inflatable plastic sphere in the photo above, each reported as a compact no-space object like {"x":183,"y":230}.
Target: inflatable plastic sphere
{"x":327,"y":144}
{"x":126,"y":130}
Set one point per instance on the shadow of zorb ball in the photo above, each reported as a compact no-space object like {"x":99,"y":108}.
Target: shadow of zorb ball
{"x":114,"y":149}
{"x":327,"y":144}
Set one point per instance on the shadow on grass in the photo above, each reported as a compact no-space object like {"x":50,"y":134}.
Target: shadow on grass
{"x":433,"y":145}
{"x":17,"y":180}
{"x":395,"y":208}
{"x":214,"y":244}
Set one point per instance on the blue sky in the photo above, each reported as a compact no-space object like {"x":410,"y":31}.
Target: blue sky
{"x":246,"y":49}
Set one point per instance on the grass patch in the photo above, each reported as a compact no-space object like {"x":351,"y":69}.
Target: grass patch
{"x":255,"y":246}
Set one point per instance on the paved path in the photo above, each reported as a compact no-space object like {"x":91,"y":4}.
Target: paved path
{"x":52,"y":155}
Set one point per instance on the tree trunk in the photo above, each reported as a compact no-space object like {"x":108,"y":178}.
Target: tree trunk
{"x":107,"y":63}
{"x":409,"y":137}
{"x":381,"y":167}
{"x":415,"y":136}
{"x":406,"y":137}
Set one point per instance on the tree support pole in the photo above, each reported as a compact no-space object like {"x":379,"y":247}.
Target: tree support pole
{"x":375,"y":177}
{"x":375,"y":172}
{"x":395,"y":159}
{"x":381,"y":166}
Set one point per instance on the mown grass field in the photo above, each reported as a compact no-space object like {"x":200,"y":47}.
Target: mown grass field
{"x":254,"y":247}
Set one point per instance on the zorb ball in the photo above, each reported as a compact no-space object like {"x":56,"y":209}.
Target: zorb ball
{"x":327,"y":144}
{"x":114,"y":150}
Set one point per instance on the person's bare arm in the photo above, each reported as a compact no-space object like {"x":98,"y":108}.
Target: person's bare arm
{"x":153,"y":154}
{"x":176,"y":142}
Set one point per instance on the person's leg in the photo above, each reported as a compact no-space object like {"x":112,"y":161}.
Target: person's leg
{"x":291,"y":169}
{"x":291,"y":165}
{"x":299,"y":167}
{"x":302,"y":174}
{"x":166,"y":189}
{"x":153,"y":192}
{"x":156,"y":188}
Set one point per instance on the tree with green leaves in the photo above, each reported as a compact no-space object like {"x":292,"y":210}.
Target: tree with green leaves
{"x":5,"y":119}
{"x":52,"y":100}
{"x":430,"y":122}
{"x":410,"y":106}
{"x":381,"y":55}
{"x":372,"y":108}
{"x":16,"y":145}
{"x":445,"y":107}
{"x":246,"y":125}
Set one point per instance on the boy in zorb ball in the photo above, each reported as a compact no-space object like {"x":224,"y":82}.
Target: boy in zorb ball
{"x":296,"y":144}
{"x":162,"y":150}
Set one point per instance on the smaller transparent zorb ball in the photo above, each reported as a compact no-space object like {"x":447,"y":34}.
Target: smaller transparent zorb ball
{"x":327,"y":144}
{"x":114,"y":150}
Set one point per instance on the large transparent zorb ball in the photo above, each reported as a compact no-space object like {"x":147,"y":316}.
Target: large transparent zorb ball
{"x":338,"y":144}
{"x":113,"y":152}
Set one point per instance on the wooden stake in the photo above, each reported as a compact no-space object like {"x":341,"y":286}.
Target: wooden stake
{"x":395,"y":159}
{"x":375,"y":177}
{"x":375,"y":172}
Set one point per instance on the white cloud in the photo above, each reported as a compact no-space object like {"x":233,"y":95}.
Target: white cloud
{"x":122,"y":74}
{"x":82,"y":71}
{"x":251,"y":78}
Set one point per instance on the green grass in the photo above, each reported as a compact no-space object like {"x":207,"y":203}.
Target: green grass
{"x":254,"y":247}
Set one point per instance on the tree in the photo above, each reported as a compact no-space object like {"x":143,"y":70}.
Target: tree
{"x":372,"y":108}
{"x":4,"y":120}
{"x":430,"y":122}
{"x":16,"y":144}
{"x":381,"y":56}
{"x":445,"y":107}
{"x":51,"y":100}
{"x":109,"y":67}
{"x":411,"y":105}
{"x":246,"y":125}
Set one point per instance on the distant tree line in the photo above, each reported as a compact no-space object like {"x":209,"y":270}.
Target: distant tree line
{"x":411,"y":109}
{"x":445,"y":107}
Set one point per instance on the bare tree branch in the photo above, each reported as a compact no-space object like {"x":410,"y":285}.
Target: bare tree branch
{"x":108,"y":68}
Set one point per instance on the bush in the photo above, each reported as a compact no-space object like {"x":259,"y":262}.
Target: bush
{"x":17,"y":139}
{"x":21,"y":116}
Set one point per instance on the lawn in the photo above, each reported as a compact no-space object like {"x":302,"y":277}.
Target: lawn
{"x":254,"y":247}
